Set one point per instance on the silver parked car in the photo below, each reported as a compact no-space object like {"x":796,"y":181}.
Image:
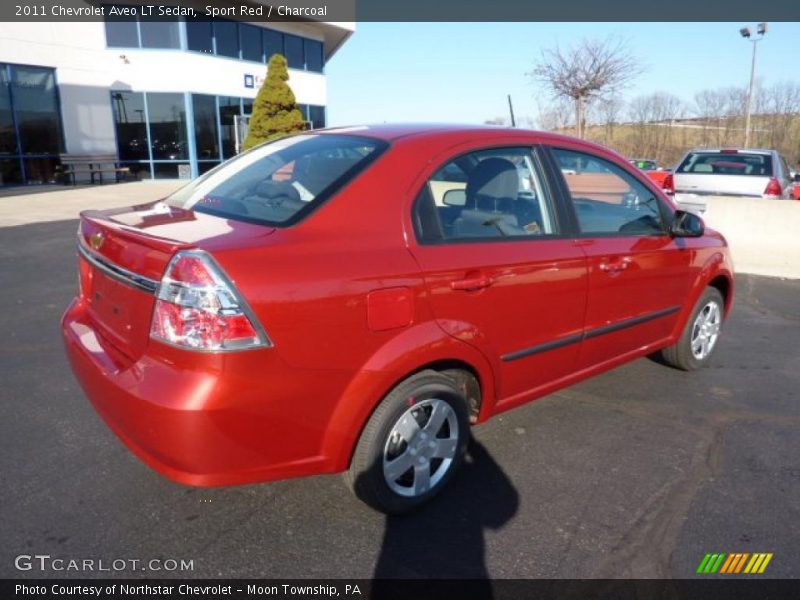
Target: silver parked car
{"x":749,"y":173}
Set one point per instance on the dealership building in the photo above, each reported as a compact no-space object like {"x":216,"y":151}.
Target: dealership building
{"x":166,"y":99}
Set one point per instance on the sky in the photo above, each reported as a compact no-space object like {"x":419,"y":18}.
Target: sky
{"x":462,"y":72}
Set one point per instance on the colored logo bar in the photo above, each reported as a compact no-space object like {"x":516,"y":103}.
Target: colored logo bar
{"x":738,"y":562}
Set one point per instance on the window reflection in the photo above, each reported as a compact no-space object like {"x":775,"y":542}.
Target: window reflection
{"x":8,"y":137}
{"x":227,"y":38}
{"x":167,"y":114}
{"x":160,"y":34}
{"x":199,"y":37}
{"x":250,"y":38}
{"x":36,"y":103}
{"x":205,"y":127}
{"x":129,"y":117}
{"x":228,"y":111}
{"x":293,"y":46}
{"x":31,"y":134}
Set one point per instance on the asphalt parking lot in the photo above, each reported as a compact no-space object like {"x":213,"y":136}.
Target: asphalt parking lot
{"x":636,"y":473}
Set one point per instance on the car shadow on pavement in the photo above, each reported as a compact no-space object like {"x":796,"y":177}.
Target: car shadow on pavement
{"x":445,"y":538}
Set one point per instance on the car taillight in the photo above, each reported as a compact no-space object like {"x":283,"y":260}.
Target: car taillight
{"x":773,"y":189}
{"x":197,"y":307}
{"x":669,"y":184}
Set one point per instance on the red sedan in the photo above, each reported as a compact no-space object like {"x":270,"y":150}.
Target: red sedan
{"x":355,"y":299}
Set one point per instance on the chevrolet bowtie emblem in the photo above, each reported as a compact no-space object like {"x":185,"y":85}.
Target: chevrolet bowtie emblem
{"x":96,"y":240}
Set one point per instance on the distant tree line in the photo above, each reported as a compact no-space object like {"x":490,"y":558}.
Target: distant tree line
{"x":582,"y":96}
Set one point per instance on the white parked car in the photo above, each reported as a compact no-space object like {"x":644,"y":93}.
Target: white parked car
{"x":749,"y":173}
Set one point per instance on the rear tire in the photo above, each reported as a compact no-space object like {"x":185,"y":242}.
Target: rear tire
{"x":700,"y":335}
{"x":412,"y":444}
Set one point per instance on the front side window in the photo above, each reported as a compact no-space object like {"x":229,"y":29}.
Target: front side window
{"x":278,"y":183}
{"x":607,"y":199}
{"x":487,"y":194}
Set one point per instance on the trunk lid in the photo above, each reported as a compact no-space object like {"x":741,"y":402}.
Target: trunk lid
{"x":123,"y":254}
{"x":720,"y":185}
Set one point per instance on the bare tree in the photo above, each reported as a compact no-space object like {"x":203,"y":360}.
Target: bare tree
{"x":610,"y":109}
{"x":554,"y":116}
{"x":779,"y":110}
{"x":592,"y":69}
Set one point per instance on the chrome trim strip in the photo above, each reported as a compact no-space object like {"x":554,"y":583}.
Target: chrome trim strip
{"x":115,"y":271}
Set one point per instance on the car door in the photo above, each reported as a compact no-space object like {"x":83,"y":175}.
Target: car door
{"x":639,"y":275}
{"x":501,"y":275}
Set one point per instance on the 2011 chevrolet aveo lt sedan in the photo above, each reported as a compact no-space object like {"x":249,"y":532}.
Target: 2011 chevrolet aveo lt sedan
{"x":354,"y":299}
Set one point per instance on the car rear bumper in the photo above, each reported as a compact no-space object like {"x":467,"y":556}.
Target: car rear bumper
{"x":187,"y":422}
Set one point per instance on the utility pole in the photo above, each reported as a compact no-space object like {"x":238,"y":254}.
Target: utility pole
{"x":747,"y":33}
{"x":511,"y":111}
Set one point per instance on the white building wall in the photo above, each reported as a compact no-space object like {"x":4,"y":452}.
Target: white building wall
{"x":86,"y":71}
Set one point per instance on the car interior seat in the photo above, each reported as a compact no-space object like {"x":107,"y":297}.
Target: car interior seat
{"x":492,"y":188}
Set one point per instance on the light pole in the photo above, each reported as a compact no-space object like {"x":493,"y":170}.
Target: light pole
{"x":747,"y":34}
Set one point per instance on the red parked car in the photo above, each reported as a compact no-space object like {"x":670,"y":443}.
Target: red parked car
{"x":355,"y":299}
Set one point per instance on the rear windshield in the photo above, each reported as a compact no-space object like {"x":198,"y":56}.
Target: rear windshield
{"x":279,"y":183}
{"x":727,"y":163}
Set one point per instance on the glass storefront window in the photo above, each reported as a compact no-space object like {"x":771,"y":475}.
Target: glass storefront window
{"x":122,"y":34}
{"x":313,"y":54}
{"x":205,"y":127}
{"x":138,"y":170}
{"x":293,"y":46}
{"x":316,"y":114}
{"x":221,"y":37}
{"x":160,"y":34}
{"x":204,"y":167}
{"x":228,"y":110}
{"x":167,"y":113}
{"x":250,"y":39}
{"x":36,"y":104}
{"x":153,"y":132}
{"x":31,"y":132}
{"x":168,"y":170}
{"x":273,"y":43}
{"x":131,"y":125}
{"x":10,"y":171}
{"x":8,"y":135}
{"x":40,"y":169}
{"x":227,"y":36}
{"x":199,"y":36}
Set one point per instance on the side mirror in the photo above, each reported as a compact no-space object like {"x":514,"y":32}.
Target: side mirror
{"x":797,"y":177}
{"x":686,"y":224}
{"x":454,"y":198}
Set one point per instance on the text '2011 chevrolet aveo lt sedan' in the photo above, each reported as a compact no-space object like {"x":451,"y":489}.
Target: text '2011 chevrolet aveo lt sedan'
{"x":354,"y":299}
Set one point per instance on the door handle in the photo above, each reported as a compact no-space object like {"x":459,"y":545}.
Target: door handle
{"x":472,"y":283}
{"x":615,"y":266}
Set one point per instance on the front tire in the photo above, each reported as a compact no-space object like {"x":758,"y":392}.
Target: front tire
{"x":412,"y":444}
{"x":700,"y":335}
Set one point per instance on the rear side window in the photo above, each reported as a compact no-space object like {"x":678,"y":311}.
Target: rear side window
{"x":608,"y":199}
{"x":727,"y":163}
{"x":279,"y":183}
{"x":488,"y":194}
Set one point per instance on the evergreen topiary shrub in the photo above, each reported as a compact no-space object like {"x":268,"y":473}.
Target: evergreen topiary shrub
{"x":275,"y":112}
